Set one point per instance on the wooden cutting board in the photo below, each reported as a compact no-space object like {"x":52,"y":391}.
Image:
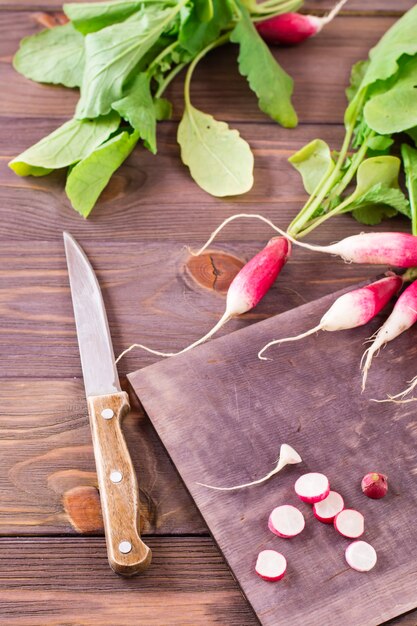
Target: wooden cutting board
{"x":222,"y":414}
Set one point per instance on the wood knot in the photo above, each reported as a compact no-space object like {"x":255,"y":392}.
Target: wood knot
{"x":82,"y":505}
{"x":214,"y":270}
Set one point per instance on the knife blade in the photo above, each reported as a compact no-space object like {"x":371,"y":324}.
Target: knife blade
{"x":107,"y":406}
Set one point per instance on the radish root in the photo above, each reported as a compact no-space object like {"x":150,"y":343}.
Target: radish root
{"x":398,"y":398}
{"x":285,"y":340}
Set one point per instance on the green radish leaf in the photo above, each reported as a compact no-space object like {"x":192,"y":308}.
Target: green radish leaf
{"x":272,"y":85}
{"x":220,"y":161}
{"x":89,"y":17}
{"x":113,"y":53}
{"x":89,"y":177}
{"x":314,"y":162}
{"x":68,"y":144}
{"x":409,"y":156}
{"x":163,"y":109}
{"x":195,"y":32}
{"x":383,"y":169}
{"x":412,"y":132}
{"x":380,"y":143}
{"x":55,"y":55}
{"x":395,"y":110}
{"x":138,"y":108}
{"x":373,"y":215}
{"x":356,"y":76}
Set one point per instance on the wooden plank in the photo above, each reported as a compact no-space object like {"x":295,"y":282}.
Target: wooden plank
{"x":320,"y":76}
{"x":234,"y":410}
{"x":68,"y":581}
{"x":49,"y":485}
{"x":356,"y":6}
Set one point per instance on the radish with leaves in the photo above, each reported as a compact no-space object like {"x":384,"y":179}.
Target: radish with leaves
{"x":352,"y":309}
{"x":293,"y":28}
{"x":247,"y":288}
{"x":403,"y":316}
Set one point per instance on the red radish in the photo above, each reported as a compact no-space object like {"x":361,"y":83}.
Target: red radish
{"x":293,"y":28}
{"x":361,"y":556}
{"x":326,"y":510}
{"x":350,"y":523}
{"x":403,"y":316}
{"x":286,"y":521}
{"x":271,"y":565}
{"x":351,"y":310}
{"x":247,"y":288}
{"x":397,"y":249}
{"x":312,"y":487}
{"x":374,"y":485}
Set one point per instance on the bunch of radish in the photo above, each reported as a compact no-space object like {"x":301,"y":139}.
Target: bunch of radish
{"x":287,"y":521}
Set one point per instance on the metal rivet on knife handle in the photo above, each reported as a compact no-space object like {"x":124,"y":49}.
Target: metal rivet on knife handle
{"x":107,"y":414}
{"x":116,"y":476}
{"x":125,"y":547}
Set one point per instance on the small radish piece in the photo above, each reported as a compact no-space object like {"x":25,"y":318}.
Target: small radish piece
{"x":361,"y":556}
{"x":326,"y":510}
{"x":286,"y":521}
{"x":293,"y":28}
{"x":271,"y":565}
{"x":403,"y":316}
{"x":351,"y":310}
{"x":246,"y":290}
{"x":350,"y":523}
{"x":312,"y":487}
{"x":374,"y":485}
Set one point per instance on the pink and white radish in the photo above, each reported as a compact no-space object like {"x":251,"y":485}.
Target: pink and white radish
{"x":287,"y":456}
{"x":350,"y":523}
{"x":396,"y":249}
{"x":271,"y":565}
{"x":326,"y":510}
{"x":351,"y":310}
{"x":246,"y":290}
{"x":286,"y":521}
{"x":293,"y":28}
{"x":374,"y":485}
{"x":361,"y":556}
{"x":312,"y":487}
{"x":403,"y":316}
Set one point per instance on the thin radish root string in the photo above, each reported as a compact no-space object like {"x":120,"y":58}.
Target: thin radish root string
{"x":286,"y":339}
{"x":281,"y":232}
{"x":332,"y":14}
{"x":394,"y":398}
{"x":222,"y":321}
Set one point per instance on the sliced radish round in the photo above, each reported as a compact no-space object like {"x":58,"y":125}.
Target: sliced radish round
{"x":312,"y":487}
{"x":350,"y":523}
{"x":361,"y":556}
{"x":271,"y":565}
{"x":326,"y":510}
{"x":286,"y":521}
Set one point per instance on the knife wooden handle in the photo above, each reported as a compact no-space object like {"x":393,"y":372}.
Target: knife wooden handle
{"x":118,"y":486}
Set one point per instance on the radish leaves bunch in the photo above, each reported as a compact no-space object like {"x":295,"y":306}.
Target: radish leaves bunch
{"x":382,"y":103}
{"x":122,"y":55}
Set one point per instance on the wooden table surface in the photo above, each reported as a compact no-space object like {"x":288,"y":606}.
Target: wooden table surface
{"x":53,"y":567}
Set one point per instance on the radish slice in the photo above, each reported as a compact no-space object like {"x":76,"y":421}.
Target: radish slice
{"x":312,"y":487}
{"x":271,"y":565}
{"x":326,"y":510}
{"x":286,"y":521}
{"x":361,"y":556}
{"x":350,"y":523}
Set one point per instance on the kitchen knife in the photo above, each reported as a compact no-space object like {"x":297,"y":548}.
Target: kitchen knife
{"x":107,"y":405}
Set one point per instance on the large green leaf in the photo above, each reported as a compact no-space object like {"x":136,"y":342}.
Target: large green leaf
{"x":272,"y":85}
{"x":111,"y":56}
{"x":89,"y":17}
{"x":314,"y":162}
{"x":55,"y":55}
{"x":409,"y":156}
{"x":138,"y":108}
{"x":220,"y":161}
{"x":195,"y":32}
{"x":68,"y":144}
{"x":89,"y":177}
{"x":395,"y":110}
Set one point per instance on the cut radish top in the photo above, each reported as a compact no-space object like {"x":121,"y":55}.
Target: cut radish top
{"x":312,"y":487}
{"x":350,"y":523}
{"x":286,"y":521}
{"x":326,"y":510}
{"x":361,"y":556}
{"x":270,"y":565}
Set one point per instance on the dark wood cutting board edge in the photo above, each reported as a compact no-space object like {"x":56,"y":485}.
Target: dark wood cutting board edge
{"x":157,"y":387}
